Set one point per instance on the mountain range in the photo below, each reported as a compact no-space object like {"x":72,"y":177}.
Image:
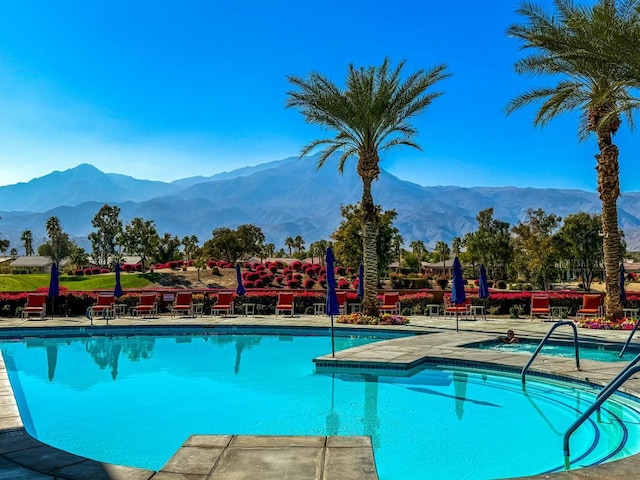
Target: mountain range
{"x":285,"y":198}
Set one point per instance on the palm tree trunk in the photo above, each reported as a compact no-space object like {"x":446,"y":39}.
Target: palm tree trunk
{"x":369,"y":239}
{"x":609,"y":190}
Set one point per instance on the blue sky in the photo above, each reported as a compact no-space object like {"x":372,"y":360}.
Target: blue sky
{"x":165,"y":90}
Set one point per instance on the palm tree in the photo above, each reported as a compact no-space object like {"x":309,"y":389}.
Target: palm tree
{"x":299,"y":243}
{"x":456,"y":246}
{"x":443,"y":251}
{"x":581,"y":45}
{"x":418,"y":247}
{"x":371,"y":114}
{"x":290,"y":243}
{"x":27,"y":241}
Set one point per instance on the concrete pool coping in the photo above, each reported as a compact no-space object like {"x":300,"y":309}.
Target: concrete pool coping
{"x":25,"y":457}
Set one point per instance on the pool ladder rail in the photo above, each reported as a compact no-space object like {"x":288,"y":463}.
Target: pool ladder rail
{"x":544,"y":340}
{"x":635,"y":327}
{"x":631,"y":369}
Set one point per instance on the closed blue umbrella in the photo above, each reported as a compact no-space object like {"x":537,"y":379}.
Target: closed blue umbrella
{"x":54,"y":285}
{"x":361,"y":281}
{"x":483,"y":285}
{"x":483,"y":289}
{"x":117,"y":291}
{"x":457,"y":289}
{"x":332,"y":306}
{"x":240,"y":289}
{"x":623,"y":294}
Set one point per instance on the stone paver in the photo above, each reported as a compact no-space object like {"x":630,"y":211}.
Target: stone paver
{"x":227,"y":457}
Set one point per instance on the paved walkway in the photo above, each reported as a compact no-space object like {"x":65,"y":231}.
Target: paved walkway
{"x":22,"y":457}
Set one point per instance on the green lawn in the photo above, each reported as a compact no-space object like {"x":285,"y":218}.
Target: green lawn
{"x":30,"y":282}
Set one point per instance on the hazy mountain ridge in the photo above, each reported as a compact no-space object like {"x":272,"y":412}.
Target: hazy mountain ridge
{"x":285,"y":198}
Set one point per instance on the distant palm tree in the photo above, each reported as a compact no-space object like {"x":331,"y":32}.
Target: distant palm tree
{"x":581,"y":45}
{"x":456,"y":246}
{"x":371,"y":114}
{"x":443,"y":251}
{"x":299,"y":243}
{"x":290,"y":243}
{"x":27,"y":242}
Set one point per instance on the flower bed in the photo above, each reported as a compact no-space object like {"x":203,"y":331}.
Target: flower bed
{"x":600,"y":323}
{"x":384,"y":319}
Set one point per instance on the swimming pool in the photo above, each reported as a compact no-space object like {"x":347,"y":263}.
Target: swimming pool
{"x":134,"y":400}
{"x":601,"y":353}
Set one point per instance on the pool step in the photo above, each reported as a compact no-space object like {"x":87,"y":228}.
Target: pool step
{"x":249,"y":457}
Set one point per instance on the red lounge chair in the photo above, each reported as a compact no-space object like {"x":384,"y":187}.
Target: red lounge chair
{"x":390,"y":303}
{"x":224,"y":304}
{"x":285,"y":303}
{"x":36,"y":305}
{"x":103,"y":306}
{"x":591,"y":306}
{"x":183,"y":304}
{"x":540,"y":306}
{"x":457,"y":308}
{"x":148,"y":305}
{"x":342,"y":301}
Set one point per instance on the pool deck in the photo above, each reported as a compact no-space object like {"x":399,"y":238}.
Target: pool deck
{"x":217,"y":457}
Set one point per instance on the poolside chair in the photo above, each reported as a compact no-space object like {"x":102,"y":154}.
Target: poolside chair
{"x":183,"y":304}
{"x":147,"y":306}
{"x":36,"y":305}
{"x":540,"y":307}
{"x":285,"y":303}
{"x":342,"y":302}
{"x":103,"y":306}
{"x":224,"y":304}
{"x":457,"y":308}
{"x":390,"y":303}
{"x":591,"y":306}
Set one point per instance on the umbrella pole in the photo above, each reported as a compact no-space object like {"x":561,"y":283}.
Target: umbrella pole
{"x":333,"y":347}
{"x":457,"y":329}
{"x":53,"y":299}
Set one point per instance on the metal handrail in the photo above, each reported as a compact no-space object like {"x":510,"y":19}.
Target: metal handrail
{"x":635,"y":326}
{"x":535,"y":354}
{"x":606,"y":392}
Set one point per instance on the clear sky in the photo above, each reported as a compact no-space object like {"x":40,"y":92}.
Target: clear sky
{"x":165,"y":90}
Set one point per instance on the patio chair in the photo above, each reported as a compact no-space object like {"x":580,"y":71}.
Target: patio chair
{"x":591,"y":306}
{"x":224,"y":304}
{"x":285,"y":303}
{"x":183,"y":304}
{"x":147,"y":306}
{"x":540,"y":307}
{"x":36,"y":305}
{"x":390,"y":303}
{"x":457,"y":308}
{"x":103,"y":306}
{"x":342,"y":302}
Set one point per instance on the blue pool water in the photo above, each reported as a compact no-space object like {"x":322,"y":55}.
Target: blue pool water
{"x":134,"y":400}
{"x":591,"y":352}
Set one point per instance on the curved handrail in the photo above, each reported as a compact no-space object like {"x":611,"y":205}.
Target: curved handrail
{"x":606,"y":392}
{"x":635,"y":326}
{"x":535,"y":354}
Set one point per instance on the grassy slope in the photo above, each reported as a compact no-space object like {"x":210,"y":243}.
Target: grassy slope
{"x":25,"y":283}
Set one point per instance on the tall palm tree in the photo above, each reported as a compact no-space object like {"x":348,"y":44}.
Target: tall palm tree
{"x":580,"y":45}
{"x":371,"y":114}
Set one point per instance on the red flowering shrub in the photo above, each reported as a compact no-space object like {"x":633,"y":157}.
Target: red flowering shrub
{"x":309,"y":283}
{"x":279,"y":279}
{"x":293,"y":284}
{"x":339,"y":270}
{"x":78,"y":271}
{"x":296,"y":266}
{"x":343,"y":284}
{"x":249,"y":285}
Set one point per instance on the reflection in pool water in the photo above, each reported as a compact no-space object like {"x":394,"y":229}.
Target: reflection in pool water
{"x":134,"y":400}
